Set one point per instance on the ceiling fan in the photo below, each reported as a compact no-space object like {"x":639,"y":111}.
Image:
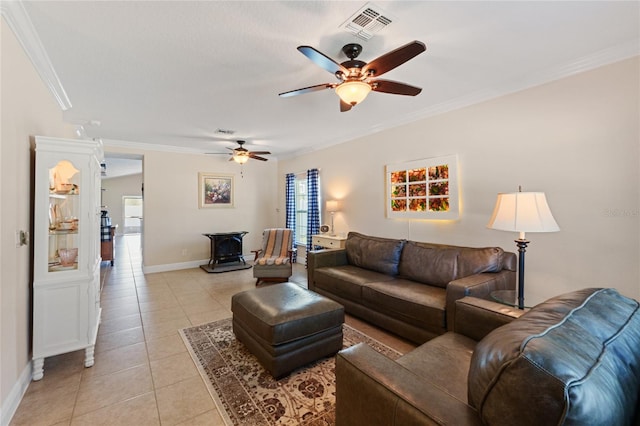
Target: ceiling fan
{"x":358,"y":78}
{"x":241,"y":154}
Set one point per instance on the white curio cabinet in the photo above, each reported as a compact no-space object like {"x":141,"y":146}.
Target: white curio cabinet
{"x":66,"y":276}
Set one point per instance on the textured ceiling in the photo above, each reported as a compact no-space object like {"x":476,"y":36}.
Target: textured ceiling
{"x":171,"y":73}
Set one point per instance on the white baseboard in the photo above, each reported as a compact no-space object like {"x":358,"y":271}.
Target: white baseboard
{"x":10,"y":405}
{"x":174,"y":266}
{"x":182,"y":265}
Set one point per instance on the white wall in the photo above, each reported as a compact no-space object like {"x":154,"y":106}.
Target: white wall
{"x":113,"y":191}
{"x":28,"y":109}
{"x":575,"y":139}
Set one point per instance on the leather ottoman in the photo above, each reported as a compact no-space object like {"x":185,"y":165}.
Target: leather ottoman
{"x":286,"y":326}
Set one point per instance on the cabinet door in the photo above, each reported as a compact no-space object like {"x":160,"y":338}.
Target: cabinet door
{"x":67,"y":212}
{"x":60,"y":322}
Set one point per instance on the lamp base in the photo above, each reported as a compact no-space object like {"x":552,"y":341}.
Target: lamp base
{"x":333,"y":234}
{"x":522,"y":248}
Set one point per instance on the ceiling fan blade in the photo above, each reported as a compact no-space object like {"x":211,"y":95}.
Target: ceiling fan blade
{"x":344,"y":107}
{"x":307,"y":90}
{"x":322,"y":60}
{"x":217,"y":153}
{"x":394,"y":87}
{"x":255,"y":157}
{"x":259,"y":152}
{"x":395,"y":58}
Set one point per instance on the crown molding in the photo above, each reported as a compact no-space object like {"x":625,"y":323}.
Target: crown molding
{"x":598,"y":59}
{"x":141,"y":146}
{"x":18,"y":20}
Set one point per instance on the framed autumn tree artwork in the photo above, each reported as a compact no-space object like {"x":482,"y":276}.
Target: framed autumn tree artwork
{"x":423,"y":189}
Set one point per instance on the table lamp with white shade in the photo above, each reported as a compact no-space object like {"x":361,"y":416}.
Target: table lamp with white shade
{"x":522,"y":212}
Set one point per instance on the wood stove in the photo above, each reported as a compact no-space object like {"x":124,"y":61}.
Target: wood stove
{"x":226,"y":247}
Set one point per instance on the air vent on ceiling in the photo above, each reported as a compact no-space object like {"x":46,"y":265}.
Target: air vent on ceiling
{"x":367,"y":21}
{"x":225,"y":131}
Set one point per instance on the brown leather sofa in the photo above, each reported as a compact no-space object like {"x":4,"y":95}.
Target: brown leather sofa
{"x":572,"y":360}
{"x":407,"y":287}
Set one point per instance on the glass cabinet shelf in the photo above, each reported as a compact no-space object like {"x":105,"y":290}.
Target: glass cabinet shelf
{"x":54,"y":232}
{"x":64,"y":209}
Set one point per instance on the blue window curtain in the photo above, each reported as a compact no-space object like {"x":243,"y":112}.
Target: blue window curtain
{"x":313,"y":209}
{"x":290,"y":215}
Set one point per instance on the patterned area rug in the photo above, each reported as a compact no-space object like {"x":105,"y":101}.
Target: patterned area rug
{"x":246,"y":394}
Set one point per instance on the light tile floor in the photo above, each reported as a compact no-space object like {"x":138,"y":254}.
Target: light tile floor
{"x":143,"y":374}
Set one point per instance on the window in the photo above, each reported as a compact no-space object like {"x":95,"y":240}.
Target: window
{"x":301,"y":209}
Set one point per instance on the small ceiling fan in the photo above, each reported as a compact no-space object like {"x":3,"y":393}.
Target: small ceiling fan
{"x":358,"y":78}
{"x":241,"y":155}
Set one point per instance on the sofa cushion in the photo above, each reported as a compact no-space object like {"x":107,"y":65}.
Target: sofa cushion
{"x":574,"y":359}
{"x":477,"y":260}
{"x":374,"y":253}
{"x":346,"y":281}
{"x":414,"y":303}
{"x":428,"y":263}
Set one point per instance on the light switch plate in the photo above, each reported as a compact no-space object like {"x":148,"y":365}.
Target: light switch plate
{"x":22,"y":238}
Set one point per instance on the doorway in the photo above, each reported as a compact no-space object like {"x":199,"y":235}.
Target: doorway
{"x":122,"y":193}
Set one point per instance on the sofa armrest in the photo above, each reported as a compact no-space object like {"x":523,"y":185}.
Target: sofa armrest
{"x":321,"y":259}
{"x":375,"y":390}
{"x":480,"y":286}
{"x":475,"y":318}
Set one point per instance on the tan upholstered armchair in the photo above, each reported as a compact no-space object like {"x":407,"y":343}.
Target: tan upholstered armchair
{"x":273,"y":261}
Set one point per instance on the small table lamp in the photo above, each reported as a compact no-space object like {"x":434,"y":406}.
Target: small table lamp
{"x":522,"y":212}
{"x":332,"y":207}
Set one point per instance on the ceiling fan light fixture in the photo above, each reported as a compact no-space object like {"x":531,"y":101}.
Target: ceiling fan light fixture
{"x":353,"y":92}
{"x":241,"y":157}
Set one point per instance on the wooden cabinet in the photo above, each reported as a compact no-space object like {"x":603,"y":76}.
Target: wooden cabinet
{"x":106,"y":244}
{"x":328,"y":241}
{"x":66,"y":267}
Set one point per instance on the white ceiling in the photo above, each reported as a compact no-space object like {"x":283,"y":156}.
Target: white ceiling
{"x":171,"y":73}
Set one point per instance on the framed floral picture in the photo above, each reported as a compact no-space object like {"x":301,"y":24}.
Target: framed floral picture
{"x":215,"y":190}
{"x":423,"y":189}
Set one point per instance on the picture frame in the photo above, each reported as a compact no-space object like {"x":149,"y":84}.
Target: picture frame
{"x":423,"y":189}
{"x":215,"y":190}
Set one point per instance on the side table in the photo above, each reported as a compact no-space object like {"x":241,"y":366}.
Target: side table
{"x":328,"y":241}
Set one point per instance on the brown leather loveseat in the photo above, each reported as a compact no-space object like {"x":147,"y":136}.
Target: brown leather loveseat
{"x":407,"y":287}
{"x":572,"y":360}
